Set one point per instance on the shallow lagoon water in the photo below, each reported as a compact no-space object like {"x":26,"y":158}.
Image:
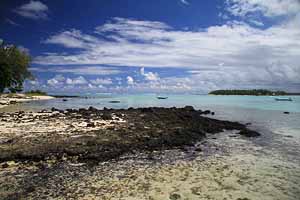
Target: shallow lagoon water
{"x":198,"y":101}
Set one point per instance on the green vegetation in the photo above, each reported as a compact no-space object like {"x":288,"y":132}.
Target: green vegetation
{"x":14,"y":65}
{"x":36,"y":93}
{"x":255,"y":92}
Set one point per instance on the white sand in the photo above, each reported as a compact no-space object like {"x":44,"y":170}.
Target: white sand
{"x":38,"y":124}
{"x":19,"y":98}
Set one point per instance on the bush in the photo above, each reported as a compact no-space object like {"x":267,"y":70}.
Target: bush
{"x":14,"y":65}
{"x":36,"y":93}
{"x":256,"y":92}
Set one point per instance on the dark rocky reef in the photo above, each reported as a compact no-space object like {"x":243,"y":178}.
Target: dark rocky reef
{"x":142,"y":129}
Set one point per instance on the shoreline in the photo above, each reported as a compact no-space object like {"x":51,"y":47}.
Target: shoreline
{"x":6,"y":100}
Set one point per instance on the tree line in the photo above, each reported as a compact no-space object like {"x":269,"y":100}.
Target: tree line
{"x":255,"y":92}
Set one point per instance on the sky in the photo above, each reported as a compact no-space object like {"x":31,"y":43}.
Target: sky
{"x":157,"y":46}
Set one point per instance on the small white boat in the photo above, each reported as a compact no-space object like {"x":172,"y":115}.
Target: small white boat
{"x":283,"y":99}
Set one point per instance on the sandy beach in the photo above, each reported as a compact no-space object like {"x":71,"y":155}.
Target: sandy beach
{"x":6,"y":100}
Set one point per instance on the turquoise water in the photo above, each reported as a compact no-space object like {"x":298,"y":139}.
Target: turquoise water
{"x":261,"y":111}
{"x":198,"y":101}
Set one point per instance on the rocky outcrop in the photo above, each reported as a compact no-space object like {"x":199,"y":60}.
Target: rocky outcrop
{"x":101,"y":135}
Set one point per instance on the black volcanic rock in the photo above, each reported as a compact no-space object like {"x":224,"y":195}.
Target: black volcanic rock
{"x":206,"y":112}
{"x":189,"y":108}
{"x":93,"y":109}
{"x":249,"y":133}
{"x":141,"y":129}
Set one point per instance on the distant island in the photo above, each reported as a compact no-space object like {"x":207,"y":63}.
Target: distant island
{"x":254,"y":92}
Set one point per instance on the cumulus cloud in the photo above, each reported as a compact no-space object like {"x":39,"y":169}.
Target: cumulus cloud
{"x":150,"y":76}
{"x":170,"y":84}
{"x":35,"y":82}
{"x":102,"y":81}
{"x":130,"y":80}
{"x":56,"y":80}
{"x":33,"y":10}
{"x":76,"y":81}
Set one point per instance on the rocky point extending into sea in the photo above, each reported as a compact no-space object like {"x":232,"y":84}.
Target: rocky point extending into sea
{"x":101,"y":135}
{"x":35,"y":146}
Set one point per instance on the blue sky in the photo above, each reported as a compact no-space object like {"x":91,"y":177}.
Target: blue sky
{"x":176,"y":46}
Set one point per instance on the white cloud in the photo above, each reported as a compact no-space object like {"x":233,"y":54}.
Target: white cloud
{"x":60,"y":81}
{"x":56,"y":80}
{"x":171,"y":84}
{"x":82,"y":70}
{"x":100,"y":81}
{"x":130,"y":80}
{"x":76,"y":81}
{"x":72,"y":39}
{"x":185,"y":2}
{"x":91,"y":86}
{"x":33,"y":10}
{"x":36,"y":82}
{"x":150,"y":76}
{"x":170,"y":48}
{"x":255,"y":22}
{"x":118,"y":24}
{"x":268,"y":8}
